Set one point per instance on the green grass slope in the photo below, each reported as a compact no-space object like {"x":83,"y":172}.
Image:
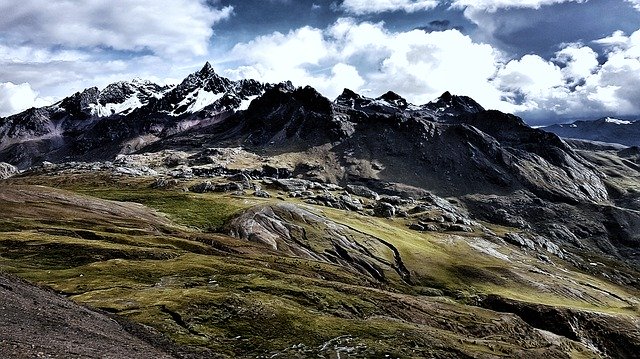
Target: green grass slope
{"x":156,"y":257}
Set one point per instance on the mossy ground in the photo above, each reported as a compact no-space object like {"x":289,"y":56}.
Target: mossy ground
{"x":171,"y":271}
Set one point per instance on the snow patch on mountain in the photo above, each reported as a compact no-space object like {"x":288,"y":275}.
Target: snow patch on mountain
{"x":200,"y":99}
{"x":244,"y":105}
{"x":109,"y":109}
{"x":617,"y":121}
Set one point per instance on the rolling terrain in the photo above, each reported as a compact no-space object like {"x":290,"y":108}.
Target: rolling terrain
{"x":232,"y":219}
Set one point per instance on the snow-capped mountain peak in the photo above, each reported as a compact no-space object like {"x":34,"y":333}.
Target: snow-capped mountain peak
{"x":606,"y":129}
{"x":206,"y":90}
{"x":123,"y":97}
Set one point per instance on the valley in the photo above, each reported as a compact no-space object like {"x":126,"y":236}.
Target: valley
{"x":274,"y":222}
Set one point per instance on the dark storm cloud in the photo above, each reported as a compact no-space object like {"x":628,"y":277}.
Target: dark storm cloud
{"x":264,"y":17}
{"x":440,"y":25}
{"x":542,"y":31}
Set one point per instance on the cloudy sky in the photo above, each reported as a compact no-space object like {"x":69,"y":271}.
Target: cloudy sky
{"x":545,"y":60}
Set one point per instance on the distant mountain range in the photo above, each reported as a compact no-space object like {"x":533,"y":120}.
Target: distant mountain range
{"x":451,"y":145}
{"x":607,"y":129}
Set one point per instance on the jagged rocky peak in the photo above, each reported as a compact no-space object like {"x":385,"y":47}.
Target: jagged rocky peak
{"x":454,"y":105}
{"x":285,"y":86}
{"x":347,"y":98}
{"x":310,"y":95}
{"x":123,"y":97}
{"x":207,"y":70}
{"x":286,"y":94}
{"x":388,"y":103}
{"x":119,"y":92}
{"x":33,"y":122}
{"x":80,"y":103}
{"x":207,"y":79}
{"x":394,"y":99}
{"x":118,"y":98}
{"x":207,"y":90}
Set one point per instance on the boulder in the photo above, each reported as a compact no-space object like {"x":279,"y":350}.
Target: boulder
{"x":459,"y":228}
{"x":203,"y":187}
{"x":164,"y":183}
{"x":242,"y":179}
{"x":362,"y":191}
{"x":350,"y":203}
{"x":384,"y":209}
{"x":520,"y":240}
{"x":420,"y":208}
{"x":293,"y":184}
{"x":262,"y":194}
{"x":395,"y":200}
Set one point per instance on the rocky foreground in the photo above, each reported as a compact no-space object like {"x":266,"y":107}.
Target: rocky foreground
{"x":38,"y":323}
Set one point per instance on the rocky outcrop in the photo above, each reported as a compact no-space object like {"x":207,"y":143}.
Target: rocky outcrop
{"x":7,"y":170}
{"x":614,"y":337}
{"x":297,"y":232}
{"x":362,"y":191}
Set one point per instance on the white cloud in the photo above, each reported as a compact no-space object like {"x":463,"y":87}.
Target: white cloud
{"x":416,"y":64}
{"x":574,"y":84}
{"x":165,"y":27}
{"x":15,"y":98}
{"x":283,"y":51}
{"x":615,"y":39}
{"x":59,"y":47}
{"x":531,"y":75}
{"x":420,"y":66}
{"x":493,"y":5}
{"x":579,"y":62}
{"x":360,"y":7}
{"x":635,"y":3}
{"x":341,"y":76}
{"x":26,"y":54}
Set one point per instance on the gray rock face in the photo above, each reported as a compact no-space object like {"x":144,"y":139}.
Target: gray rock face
{"x":534,"y":242}
{"x":261,"y":193}
{"x":519,"y":240}
{"x":362,"y":191}
{"x":384,"y":209}
{"x":295,"y":231}
{"x":7,"y":170}
{"x":162,"y":182}
{"x":203,"y":187}
{"x":293,"y":184}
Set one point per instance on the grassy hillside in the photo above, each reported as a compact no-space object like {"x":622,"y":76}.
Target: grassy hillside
{"x":155,"y":256}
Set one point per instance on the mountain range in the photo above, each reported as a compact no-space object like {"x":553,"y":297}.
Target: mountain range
{"x":193,"y":208}
{"x":606,"y":129}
